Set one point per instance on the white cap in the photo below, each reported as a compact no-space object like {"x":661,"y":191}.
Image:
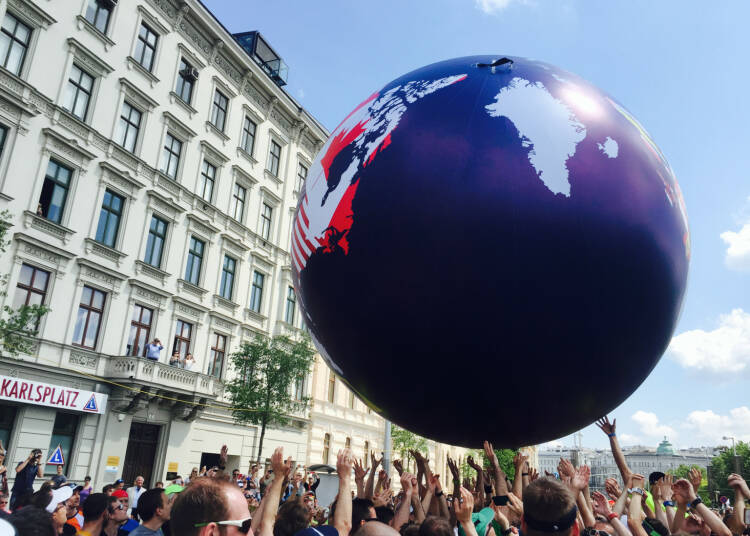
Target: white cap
{"x":6,"y":529}
{"x":58,"y":495}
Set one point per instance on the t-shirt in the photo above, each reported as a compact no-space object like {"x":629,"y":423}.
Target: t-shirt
{"x":153,"y":351}
{"x":25,"y":478}
{"x":145,"y":531}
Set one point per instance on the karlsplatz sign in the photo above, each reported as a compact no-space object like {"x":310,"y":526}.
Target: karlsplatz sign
{"x":53,"y":396}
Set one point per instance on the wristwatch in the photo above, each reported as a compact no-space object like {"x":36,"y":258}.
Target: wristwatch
{"x":506,"y":531}
{"x":695,"y":502}
{"x":439,"y":493}
{"x":639,"y":491}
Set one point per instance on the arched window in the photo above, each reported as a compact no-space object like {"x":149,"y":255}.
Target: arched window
{"x":348,"y":443}
{"x":326,"y":447}
{"x":367,"y":454}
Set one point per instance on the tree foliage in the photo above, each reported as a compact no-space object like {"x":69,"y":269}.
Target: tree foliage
{"x":18,"y":327}
{"x":266,"y":370}
{"x":683,"y":471}
{"x":403,"y":441}
{"x":723,"y":465}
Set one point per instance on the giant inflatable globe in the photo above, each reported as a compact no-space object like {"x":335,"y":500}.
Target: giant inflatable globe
{"x":491,"y":248}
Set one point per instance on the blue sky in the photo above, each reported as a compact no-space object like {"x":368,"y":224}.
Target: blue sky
{"x":680,"y":67}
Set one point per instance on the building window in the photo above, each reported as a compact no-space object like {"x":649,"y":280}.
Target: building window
{"x":256,"y":293}
{"x":227,"y":277}
{"x":185,"y":81}
{"x":140,"y":328}
{"x":157,"y":234}
{"x":194,"y":261}
{"x":265,"y":221}
{"x":128,"y":127}
{"x":98,"y":15}
{"x":248,"y":135}
{"x":219,"y":110}
{"x":14,"y":42}
{"x":3,"y":137}
{"x":109,"y":219}
{"x":218,"y":349}
{"x":274,"y":158}
{"x":351,"y":399}
{"x":291,"y":302}
{"x":7,"y":420}
{"x":238,"y":202}
{"x":145,"y":47}
{"x":207,"y":181}
{"x":366,"y":456}
{"x":348,"y":443}
{"x":182,"y":336}
{"x":63,"y":435}
{"x":326,"y":447}
{"x":331,"y":386}
{"x":299,"y":388}
{"x":89,"y":318}
{"x":31,"y":288}
{"x":78,"y":92}
{"x":54,"y":191}
{"x":170,"y":157}
{"x":301,"y":176}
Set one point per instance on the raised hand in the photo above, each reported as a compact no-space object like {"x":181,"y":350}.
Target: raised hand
{"x":666,"y":487}
{"x":637,"y":481}
{"x":280,"y":467}
{"x":375,"y":461}
{"x":695,"y":477}
{"x":518,"y":460}
{"x":474,"y":465}
{"x":434,"y":484}
{"x":683,"y":491}
{"x":454,"y":469}
{"x":606,"y":426}
{"x":612,"y":488}
{"x":601,"y":505}
{"x":344,"y":463}
{"x":738,"y":483}
{"x":223,"y":455}
{"x":565,"y":467}
{"x":406,"y":482}
{"x":464,"y":506}
{"x":383,"y":498}
{"x":489,"y":452}
{"x":359,"y":471}
{"x":533,"y":474}
{"x":581,"y":477}
{"x":515,"y":505}
{"x":398,"y":466}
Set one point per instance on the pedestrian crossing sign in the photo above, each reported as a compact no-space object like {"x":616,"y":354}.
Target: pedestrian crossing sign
{"x":91,"y":404}
{"x":57,"y":457}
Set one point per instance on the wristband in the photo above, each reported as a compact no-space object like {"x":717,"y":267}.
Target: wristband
{"x":439,"y":493}
{"x":612,"y":516}
{"x":524,"y":474}
{"x":668,"y":503}
{"x":506,"y":531}
{"x":611,"y":435}
{"x":487,"y":489}
{"x":695,"y":502}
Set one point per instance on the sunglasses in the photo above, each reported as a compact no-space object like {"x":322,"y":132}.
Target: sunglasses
{"x":243,"y":525}
{"x":119,"y":506}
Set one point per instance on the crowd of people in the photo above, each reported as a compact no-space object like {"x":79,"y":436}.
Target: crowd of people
{"x":284,"y":502}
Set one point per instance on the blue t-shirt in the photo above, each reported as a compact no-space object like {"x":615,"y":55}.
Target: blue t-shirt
{"x":25,"y":478}
{"x":129,"y":526}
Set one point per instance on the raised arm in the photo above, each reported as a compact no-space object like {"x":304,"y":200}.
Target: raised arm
{"x":601,"y":507}
{"x":657,"y":491}
{"x":635,"y":513}
{"x":281,"y":470}
{"x":501,"y":486}
{"x":519,"y":461}
{"x":342,"y":517}
{"x":402,"y":514}
{"x":685,"y":490}
{"x":609,"y":429}
{"x":741,"y":492}
{"x":370,"y":487}
{"x":579,"y":482}
{"x":359,"y":477}
{"x":463,"y":508}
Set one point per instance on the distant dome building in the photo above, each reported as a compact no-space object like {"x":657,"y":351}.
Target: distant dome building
{"x":665,"y":448}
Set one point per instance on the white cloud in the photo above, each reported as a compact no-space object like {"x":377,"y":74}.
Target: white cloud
{"x":738,"y":248}
{"x":723,"y":353}
{"x":629,"y":439}
{"x":650,"y":427}
{"x":707,"y":427}
{"x":493,"y":6}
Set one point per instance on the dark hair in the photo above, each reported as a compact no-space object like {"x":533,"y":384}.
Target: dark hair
{"x":24,"y":499}
{"x":546,"y":500}
{"x":87,"y":477}
{"x":202,"y":501}
{"x":386,"y":514}
{"x":111,"y":501}
{"x":292,"y":517}
{"x":94,"y":506}
{"x":77,"y":490}
{"x":32,"y":521}
{"x":409,"y":529}
{"x":149,"y":501}
{"x":108,"y":487}
{"x":360,"y":511}
{"x":435,"y":526}
{"x":657,"y":525}
{"x":43,"y":497}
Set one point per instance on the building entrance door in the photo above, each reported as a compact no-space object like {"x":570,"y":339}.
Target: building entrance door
{"x":141,"y":452}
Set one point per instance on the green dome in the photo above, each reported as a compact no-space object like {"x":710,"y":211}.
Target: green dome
{"x":665,"y":447}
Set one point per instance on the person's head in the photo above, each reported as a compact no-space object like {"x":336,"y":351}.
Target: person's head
{"x":3,"y":501}
{"x":119,"y":483}
{"x":376,"y":528}
{"x":59,"y":470}
{"x":71,"y":506}
{"x":549,"y":509}
{"x":159,"y":485}
{"x":154,"y":504}
{"x":194,"y":473}
{"x":139,"y":481}
{"x":117,"y":511}
{"x":235,"y":472}
{"x":77,"y":490}
{"x":188,"y":357}
{"x":122,"y":497}
{"x":206,"y":506}
{"x":87,"y":481}
{"x":108,"y":489}
{"x":362,"y":511}
{"x":157,"y":341}
{"x":42,"y":498}
{"x":386,"y":514}
{"x":32,"y":521}
{"x":59,"y":516}
{"x":95,"y":508}
{"x":292,"y":517}
{"x":409,"y":529}
{"x":435,"y":526}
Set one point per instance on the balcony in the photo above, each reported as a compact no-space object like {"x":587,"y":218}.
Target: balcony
{"x":162,"y":376}
{"x":259,"y":49}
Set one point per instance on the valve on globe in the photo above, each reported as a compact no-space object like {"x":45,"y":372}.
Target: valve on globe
{"x":485,"y":253}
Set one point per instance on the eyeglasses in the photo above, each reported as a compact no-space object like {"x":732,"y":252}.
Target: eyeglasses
{"x":119,"y":506}
{"x":242,"y":524}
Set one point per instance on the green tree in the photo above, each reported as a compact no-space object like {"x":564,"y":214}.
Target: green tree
{"x":18,"y":327}
{"x":505,"y":460}
{"x":402,"y":441}
{"x":723,"y":465}
{"x":683,"y":471}
{"x":266,"y":369}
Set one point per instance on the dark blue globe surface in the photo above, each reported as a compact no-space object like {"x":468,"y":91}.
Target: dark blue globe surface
{"x":491,"y":252}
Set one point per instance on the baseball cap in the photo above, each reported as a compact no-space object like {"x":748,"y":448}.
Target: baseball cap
{"x":59,"y":495}
{"x":173,"y":488}
{"x":119,"y":481}
{"x":481,"y":520}
{"x":120,"y":494}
